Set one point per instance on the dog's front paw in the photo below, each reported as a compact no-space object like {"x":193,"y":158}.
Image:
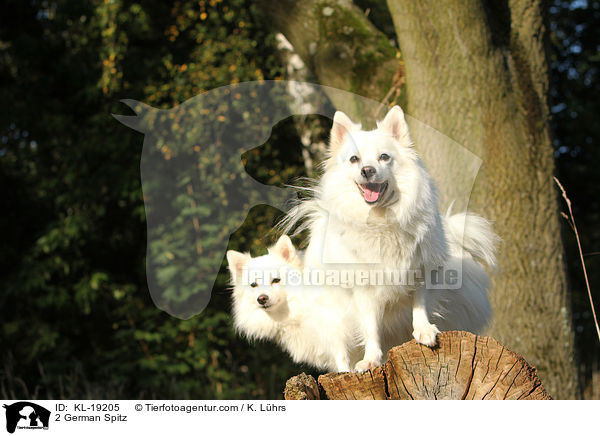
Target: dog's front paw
{"x":372,"y":358}
{"x":365,"y":365}
{"x":426,"y":334}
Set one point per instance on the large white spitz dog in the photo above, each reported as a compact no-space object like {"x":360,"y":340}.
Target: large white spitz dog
{"x":375,"y":208}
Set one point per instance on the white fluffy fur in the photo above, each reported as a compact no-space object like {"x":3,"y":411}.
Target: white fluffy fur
{"x":311,"y":325}
{"x":403,"y":230}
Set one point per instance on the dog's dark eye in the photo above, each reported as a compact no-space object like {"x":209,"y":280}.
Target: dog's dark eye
{"x":354,"y":159}
{"x":254,"y":284}
{"x":384,"y":157}
{"x":275,"y":280}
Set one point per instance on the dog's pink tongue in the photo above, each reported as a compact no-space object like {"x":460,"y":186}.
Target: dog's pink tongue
{"x":370,"y":195}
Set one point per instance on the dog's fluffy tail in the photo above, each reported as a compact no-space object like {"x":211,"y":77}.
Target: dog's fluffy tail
{"x":472,"y":235}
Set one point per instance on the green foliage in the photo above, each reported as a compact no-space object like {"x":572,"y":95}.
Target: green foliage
{"x":77,"y":318}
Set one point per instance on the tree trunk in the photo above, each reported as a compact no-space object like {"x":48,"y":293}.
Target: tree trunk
{"x":340,"y":46}
{"x":477,"y":72}
{"x":462,"y":367}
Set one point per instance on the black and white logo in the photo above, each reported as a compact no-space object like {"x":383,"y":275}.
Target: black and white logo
{"x":26,"y":415}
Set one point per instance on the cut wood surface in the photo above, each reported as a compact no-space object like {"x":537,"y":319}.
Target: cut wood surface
{"x":461,"y":367}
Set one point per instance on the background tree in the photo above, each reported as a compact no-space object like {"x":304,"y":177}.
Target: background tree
{"x":476,"y":71}
{"x":496,"y":89}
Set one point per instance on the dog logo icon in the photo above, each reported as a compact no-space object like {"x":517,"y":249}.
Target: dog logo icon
{"x":26,"y":415}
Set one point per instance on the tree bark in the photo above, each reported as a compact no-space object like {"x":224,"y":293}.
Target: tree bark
{"x":477,"y":72}
{"x":340,"y":46}
{"x":462,"y":367}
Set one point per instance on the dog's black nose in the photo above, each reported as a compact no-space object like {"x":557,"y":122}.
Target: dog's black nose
{"x":262,"y":299}
{"x":367,"y":172}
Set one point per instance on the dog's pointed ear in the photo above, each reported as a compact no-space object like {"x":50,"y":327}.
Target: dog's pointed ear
{"x":395,"y":123}
{"x":342,"y":125}
{"x":237,"y":261}
{"x":285,"y":249}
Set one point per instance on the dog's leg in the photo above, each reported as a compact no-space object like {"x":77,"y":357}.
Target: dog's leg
{"x":342,"y":361}
{"x":423,"y":331}
{"x":370,"y":314}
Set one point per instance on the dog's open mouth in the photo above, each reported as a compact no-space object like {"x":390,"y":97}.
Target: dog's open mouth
{"x":372,"y":192}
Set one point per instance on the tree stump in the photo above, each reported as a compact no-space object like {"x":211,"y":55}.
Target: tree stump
{"x":461,"y":367}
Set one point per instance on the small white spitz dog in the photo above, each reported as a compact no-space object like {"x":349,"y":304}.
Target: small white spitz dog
{"x":375,"y":207}
{"x":269,"y":302}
